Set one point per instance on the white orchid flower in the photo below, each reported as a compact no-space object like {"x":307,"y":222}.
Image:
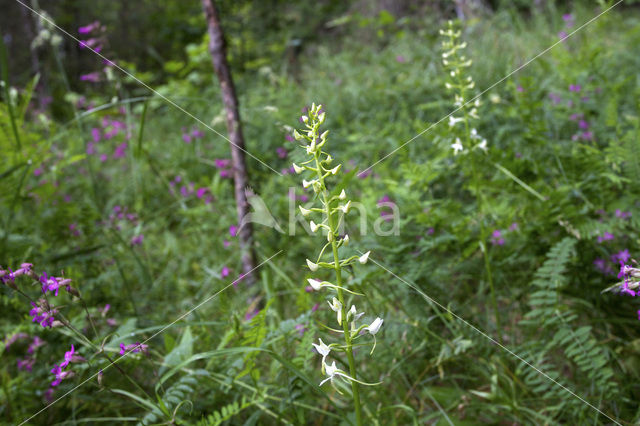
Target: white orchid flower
{"x":312,"y":266}
{"x":364,"y":258}
{"x":333,"y":371}
{"x":457,"y":146}
{"x":336,"y":307}
{"x":322,"y":350}
{"x":315,"y":284}
{"x":345,"y":209}
{"x":343,"y":195}
{"x":373,"y":328}
{"x":453,"y":120}
{"x":305,"y":212}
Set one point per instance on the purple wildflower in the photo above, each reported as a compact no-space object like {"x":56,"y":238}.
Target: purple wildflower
{"x":14,"y":338}
{"x":562,"y":35}
{"x":26,"y":364}
{"x":119,"y":151}
{"x":225,"y":272}
{"x":583,"y":125}
{"x":513,"y":226}
{"x":606,"y":237}
{"x":588,"y":136}
{"x":496,"y":238}
{"x":233,"y":230}
{"x":575,"y":87}
{"x":222,"y":163}
{"x":249,"y":315}
{"x":401,"y":59}
{"x":95,"y":134}
{"x":555,"y":98}
{"x":282,"y":152}
{"x":201,"y":191}
{"x":92,"y":77}
{"x":37,"y":172}
{"x":35,"y":344}
{"x":603,"y":266}
{"x":568,"y":20}
{"x":186,"y":137}
{"x":289,"y":138}
{"x":622,"y":215}
{"x":49,"y":283}
{"x":133,"y":348}
{"x":43,"y":317}
{"x":622,"y":256}
{"x":68,"y":356}
{"x":137,"y":240}
{"x":60,"y":375}
{"x":89,"y":28}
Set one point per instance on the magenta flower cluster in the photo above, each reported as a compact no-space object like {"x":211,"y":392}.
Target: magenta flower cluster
{"x":224,"y":166}
{"x":191,"y":135}
{"x":95,"y":40}
{"x":189,"y":190}
{"x":109,"y":129}
{"x":133,"y":348}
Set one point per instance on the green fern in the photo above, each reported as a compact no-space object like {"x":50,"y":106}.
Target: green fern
{"x":228,"y":411}
{"x":551,"y":312}
{"x":176,"y":395}
{"x":254,"y":338}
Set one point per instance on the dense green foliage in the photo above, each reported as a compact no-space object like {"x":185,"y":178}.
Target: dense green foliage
{"x":126,"y":195}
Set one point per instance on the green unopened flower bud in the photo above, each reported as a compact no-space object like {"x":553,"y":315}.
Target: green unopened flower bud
{"x":297,"y":168}
{"x":297,"y":135}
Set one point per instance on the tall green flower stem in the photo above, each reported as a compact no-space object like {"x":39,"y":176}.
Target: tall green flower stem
{"x":332,"y":213}
{"x":455,"y":63}
{"x":338,"y":269}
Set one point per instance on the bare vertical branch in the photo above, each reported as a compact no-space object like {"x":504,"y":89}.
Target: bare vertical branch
{"x":218,"y":50}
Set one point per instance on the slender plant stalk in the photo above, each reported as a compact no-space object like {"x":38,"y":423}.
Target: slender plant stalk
{"x":318,"y":165}
{"x":338,"y":271}
{"x":456,"y":62}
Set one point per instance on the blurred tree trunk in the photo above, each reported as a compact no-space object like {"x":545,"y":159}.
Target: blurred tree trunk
{"x":218,"y":50}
